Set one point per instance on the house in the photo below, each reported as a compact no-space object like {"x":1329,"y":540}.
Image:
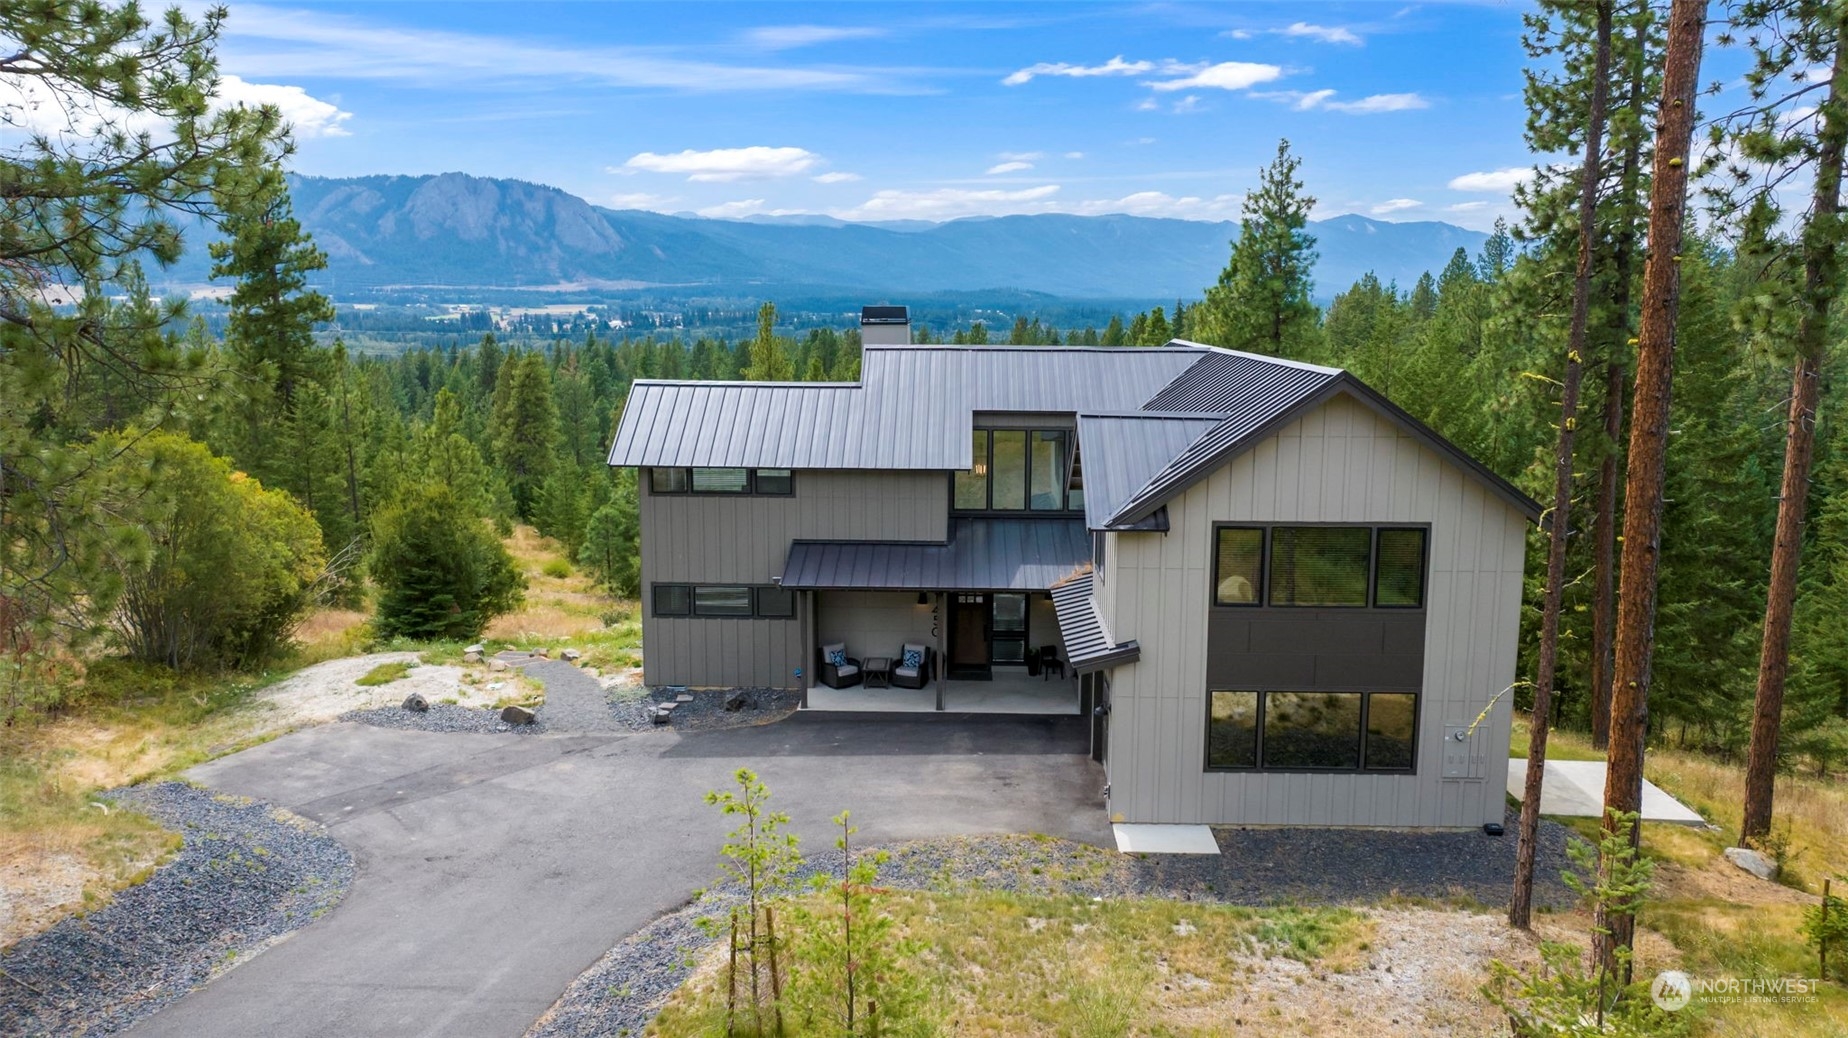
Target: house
{"x":1278,"y":598}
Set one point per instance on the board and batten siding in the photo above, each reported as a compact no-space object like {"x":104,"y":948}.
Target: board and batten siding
{"x":721,"y":539}
{"x":1341,"y":463}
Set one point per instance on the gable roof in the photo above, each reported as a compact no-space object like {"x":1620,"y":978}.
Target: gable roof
{"x":1121,"y":453}
{"x":911,"y":409}
{"x":1241,"y":431}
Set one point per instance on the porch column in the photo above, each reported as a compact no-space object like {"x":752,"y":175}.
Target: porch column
{"x":807,"y":607}
{"x":940,"y":620}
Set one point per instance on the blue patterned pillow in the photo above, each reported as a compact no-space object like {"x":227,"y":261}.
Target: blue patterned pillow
{"x":837,"y":658}
{"x":914,"y":658}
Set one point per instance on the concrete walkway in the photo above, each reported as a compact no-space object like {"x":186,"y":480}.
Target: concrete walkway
{"x":493,"y":869}
{"x":1575,"y":789}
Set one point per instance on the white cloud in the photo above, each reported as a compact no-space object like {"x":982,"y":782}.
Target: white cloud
{"x":1324,"y":100}
{"x":310,"y":116}
{"x":1008,"y":167}
{"x":642,"y":200}
{"x":1020,"y":156}
{"x":1321,"y":33}
{"x":1149,"y":104}
{"x":1466,"y":207}
{"x":783,"y":37}
{"x":1239,"y":34}
{"x":949,"y":203}
{"x":724,"y":164}
{"x":1114,"y":67}
{"x":281,"y":42}
{"x":836,"y":178}
{"x":1159,"y":203}
{"x":1395,"y":205}
{"x":1074,"y":155}
{"x":1190,"y":103}
{"x":1496,"y":181}
{"x":1227,"y":75}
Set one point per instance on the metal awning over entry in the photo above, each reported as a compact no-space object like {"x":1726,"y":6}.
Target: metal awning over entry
{"x":982,"y":554}
{"x":1087,"y":641}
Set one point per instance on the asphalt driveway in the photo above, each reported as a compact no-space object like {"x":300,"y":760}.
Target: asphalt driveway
{"x":493,"y":869}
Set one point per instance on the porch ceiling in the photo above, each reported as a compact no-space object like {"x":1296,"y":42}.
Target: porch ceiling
{"x":982,"y":555}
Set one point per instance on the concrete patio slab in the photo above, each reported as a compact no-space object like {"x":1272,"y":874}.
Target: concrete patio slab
{"x":1575,"y":789}
{"x":1132,"y":838}
{"x":1007,"y":693}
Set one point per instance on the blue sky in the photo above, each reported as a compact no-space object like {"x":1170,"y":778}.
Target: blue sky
{"x":890,"y":111}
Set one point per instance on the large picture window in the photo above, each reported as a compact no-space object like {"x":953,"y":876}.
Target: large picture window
{"x":722,"y":601}
{"x":1320,"y":565}
{"x":721,"y":481}
{"x":1311,"y":731}
{"x":1018,"y":470}
{"x":1400,"y":581}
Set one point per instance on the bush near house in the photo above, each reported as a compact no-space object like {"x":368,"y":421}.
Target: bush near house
{"x":441,"y":572}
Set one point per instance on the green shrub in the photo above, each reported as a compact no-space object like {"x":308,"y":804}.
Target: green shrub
{"x":215,"y":570}
{"x":557,"y":568}
{"x":441,"y":571}
{"x":384,"y":674}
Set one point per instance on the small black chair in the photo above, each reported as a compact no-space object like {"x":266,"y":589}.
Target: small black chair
{"x":837,"y":675}
{"x":1049,"y":661}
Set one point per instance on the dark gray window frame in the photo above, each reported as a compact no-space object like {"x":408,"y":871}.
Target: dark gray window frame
{"x":1366,"y":710}
{"x":988,"y":484}
{"x":752,"y":488}
{"x":750,"y":603}
{"x":692,"y":613}
{"x":1373,"y":566}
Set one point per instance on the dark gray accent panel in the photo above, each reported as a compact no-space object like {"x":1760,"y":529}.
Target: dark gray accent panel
{"x":1310,"y":650}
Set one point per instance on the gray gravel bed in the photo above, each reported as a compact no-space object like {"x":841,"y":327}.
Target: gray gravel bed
{"x":624,"y":990}
{"x":442,"y":717}
{"x":245,"y":877}
{"x":634,"y":706}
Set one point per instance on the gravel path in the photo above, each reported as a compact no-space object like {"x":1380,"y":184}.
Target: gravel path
{"x":574,"y":701}
{"x":442,"y":717}
{"x":245,"y":877}
{"x":627,"y":987}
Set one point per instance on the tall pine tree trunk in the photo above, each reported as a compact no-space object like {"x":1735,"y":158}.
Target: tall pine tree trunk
{"x":1643,"y":487}
{"x":1821,"y":282}
{"x":1616,"y":371}
{"x":1520,"y":907}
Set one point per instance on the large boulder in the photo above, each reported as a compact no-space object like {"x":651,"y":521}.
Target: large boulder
{"x":737,"y":701}
{"x":518,"y":715}
{"x":1752,"y":862}
{"x":416,"y":703}
{"x":471,"y":656}
{"x":497,"y":665}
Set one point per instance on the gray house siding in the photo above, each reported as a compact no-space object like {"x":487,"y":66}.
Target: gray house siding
{"x":716,"y":539}
{"x":1340,"y":463}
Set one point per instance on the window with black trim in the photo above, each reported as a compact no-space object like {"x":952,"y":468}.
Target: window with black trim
{"x":775,"y":603}
{"x":722,"y":482}
{"x":721,"y":600}
{"x":668,"y":481}
{"x":1238,"y":561}
{"x":1399,"y":581}
{"x":673,"y":600}
{"x":1018,"y":470}
{"x":1311,"y":731}
{"x":1320,"y":565}
{"x":773,"y":482}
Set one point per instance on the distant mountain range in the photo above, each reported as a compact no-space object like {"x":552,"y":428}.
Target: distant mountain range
{"x":418,"y":233}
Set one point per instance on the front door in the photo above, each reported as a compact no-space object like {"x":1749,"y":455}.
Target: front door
{"x":969,"y":631}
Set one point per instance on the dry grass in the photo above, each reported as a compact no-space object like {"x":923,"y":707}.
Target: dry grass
{"x":1720,"y":921}
{"x":567,"y":611}
{"x":995,"y":964}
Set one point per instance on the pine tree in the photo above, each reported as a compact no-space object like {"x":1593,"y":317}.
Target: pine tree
{"x":441,"y":572}
{"x":1114,"y":332}
{"x":1262,"y":300}
{"x":769,"y":359}
{"x":525,"y":428}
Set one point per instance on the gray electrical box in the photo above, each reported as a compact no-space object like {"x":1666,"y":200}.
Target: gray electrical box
{"x":1458,"y":743}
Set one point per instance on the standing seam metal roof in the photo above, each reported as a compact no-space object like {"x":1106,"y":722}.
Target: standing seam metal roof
{"x":1121,"y":453}
{"x":981,"y":555}
{"x":1087,"y":640}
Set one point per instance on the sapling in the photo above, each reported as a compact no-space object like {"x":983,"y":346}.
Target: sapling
{"x":762,"y":858}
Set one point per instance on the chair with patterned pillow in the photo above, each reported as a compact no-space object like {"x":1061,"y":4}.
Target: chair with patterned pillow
{"x":913,"y":665}
{"x":837,"y":669}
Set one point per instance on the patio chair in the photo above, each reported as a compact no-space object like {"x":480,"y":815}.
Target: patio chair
{"x":913,"y":666}
{"x":837,"y":669}
{"x":1049,"y":661}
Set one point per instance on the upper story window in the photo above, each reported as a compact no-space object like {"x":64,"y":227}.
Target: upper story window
{"x":722,"y":481}
{"x":1319,"y":566}
{"x":1018,"y":470}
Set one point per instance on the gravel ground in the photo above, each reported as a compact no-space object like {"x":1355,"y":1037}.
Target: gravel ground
{"x":627,"y":987}
{"x":245,"y":877}
{"x":634,"y":708}
{"x":442,"y":717}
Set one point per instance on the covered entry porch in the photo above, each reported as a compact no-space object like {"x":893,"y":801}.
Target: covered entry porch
{"x":976,"y":609}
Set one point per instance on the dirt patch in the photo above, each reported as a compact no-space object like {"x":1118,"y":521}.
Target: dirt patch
{"x":326,"y":690}
{"x":1419,"y":974}
{"x":1722,"y":881}
{"x":34,"y":894}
